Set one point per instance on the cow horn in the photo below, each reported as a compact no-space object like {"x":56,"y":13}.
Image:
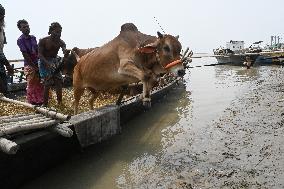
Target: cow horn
{"x":160,"y":35}
{"x":177,"y":37}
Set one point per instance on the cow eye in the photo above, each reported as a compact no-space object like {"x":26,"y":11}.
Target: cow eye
{"x":167,"y":48}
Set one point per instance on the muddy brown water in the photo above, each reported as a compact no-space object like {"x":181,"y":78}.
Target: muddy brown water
{"x":217,"y":131}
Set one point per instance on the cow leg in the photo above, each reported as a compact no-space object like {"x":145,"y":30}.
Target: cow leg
{"x":78,"y":92}
{"x":147,"y":86}
{"x":124,"y":88}
{"x":128,"y":68}
{"x":146,"y":95}
{"x":94,"y":95}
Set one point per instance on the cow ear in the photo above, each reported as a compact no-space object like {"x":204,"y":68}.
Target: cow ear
{"x":160,"y":35}
{"x":150,"y":48}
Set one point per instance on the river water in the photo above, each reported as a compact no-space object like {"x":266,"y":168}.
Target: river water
{"x":154,"y":145}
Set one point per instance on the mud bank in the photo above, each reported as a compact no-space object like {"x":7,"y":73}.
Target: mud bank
{"x":241,"y":148}
{"x":246,"y":143}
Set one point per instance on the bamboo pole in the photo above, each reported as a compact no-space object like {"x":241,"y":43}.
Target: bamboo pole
{"x":41,"y":110}
{"x":186,"y":57}
{"x":11,"y":116}
{"x":62,"y":130}
{"x":27,"y":122}
{"x":41,"y":119}
{"x":31,"y":126}
{"x":19,"y":118}
{"x":8,"y":146}
{"x":185,"y":52}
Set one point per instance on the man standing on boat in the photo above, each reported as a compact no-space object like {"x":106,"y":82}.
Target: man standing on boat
{"x":49,"y":64}
{"x":29,"y":48}
{"x":3,"y":59}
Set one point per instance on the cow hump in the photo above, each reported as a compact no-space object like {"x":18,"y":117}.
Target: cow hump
{"x":128,"y":27}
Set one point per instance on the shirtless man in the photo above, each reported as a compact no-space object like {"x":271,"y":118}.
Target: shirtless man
{"x":49,"y":63}
{"x":248,"y":62}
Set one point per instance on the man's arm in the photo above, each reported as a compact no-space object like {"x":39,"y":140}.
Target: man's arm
{"x":28,"y":59}
{"x":63,"y":47}
{"x":3,"y":60}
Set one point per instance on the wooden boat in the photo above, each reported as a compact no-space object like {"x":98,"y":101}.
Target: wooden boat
{"x":270,"y":57}
{"x":37,"y":150}
{"x":234,"y":53}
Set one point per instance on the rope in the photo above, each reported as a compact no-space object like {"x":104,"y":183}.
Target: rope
{"x":159,"y":24}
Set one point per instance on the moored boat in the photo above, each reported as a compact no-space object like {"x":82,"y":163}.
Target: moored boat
{"x":270,"y":57}
{"x":235,"y":53}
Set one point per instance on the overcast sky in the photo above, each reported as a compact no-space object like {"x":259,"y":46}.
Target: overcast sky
{"x":201,"y":24}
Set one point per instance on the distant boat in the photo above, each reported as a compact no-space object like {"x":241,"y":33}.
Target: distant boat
{"x":235,"y":53}
{"x":273,"y":53}
{"x":270,"y":57}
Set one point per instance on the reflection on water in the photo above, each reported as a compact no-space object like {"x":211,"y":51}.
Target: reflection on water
{"x":153,"y":149}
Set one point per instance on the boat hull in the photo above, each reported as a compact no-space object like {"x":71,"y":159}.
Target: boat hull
{"x":268,"y":58}
{"x":232,"y":59}
{"x":235,"y":59}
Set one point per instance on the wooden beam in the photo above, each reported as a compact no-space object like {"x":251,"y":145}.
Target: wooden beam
{"x":8,"y":146}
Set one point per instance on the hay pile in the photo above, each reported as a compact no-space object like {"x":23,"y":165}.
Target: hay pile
{"x":67,"y":107}
{"x":103,"y":99}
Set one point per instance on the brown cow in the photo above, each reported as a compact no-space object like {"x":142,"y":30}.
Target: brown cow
{"x":70,"y":61}
{"x":130,"y":57}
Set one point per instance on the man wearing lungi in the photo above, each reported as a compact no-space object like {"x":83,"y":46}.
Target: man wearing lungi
{"x":29,"y":48}
{"x":49,"y":63}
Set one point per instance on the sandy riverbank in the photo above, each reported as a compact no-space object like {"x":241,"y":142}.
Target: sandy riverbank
{"x":241,"y":148}
{"x":244,"y":148}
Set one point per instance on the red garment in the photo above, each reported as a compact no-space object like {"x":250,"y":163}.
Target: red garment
{"x":34,"y":87}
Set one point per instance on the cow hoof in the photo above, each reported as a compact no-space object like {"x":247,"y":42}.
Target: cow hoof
{"x":147,"y":103}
